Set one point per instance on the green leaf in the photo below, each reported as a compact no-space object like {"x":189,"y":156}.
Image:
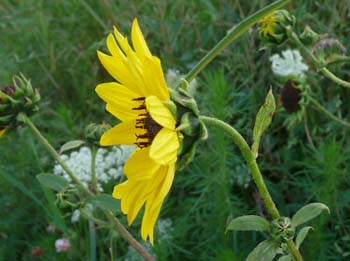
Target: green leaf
{"x":308,"y":212}
{"x":106,"y":202}
{"x":266,"y":251}
{"x":55,"y":182}
{"x":263,"y":120}
{"x":249,"y":222}
{"x":70,"y":145}
{"x":302,"y":235}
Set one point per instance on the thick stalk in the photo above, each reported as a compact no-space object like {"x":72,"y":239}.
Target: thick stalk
{"x":92,"y":233}
{"x":234,"y":33}
{"x":93,"y":169}
{"x":255,"y":171}
{"x":329,"y":114}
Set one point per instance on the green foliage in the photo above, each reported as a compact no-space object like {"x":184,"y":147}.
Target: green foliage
{"x":55,"y":42}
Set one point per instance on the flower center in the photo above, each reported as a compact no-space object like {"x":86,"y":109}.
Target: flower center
{"x":144,"y":121}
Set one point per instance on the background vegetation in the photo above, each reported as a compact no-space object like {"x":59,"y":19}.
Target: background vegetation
{"x":55,"y":42}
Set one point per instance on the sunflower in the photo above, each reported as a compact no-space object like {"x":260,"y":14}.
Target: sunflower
{"x":138,"y":99}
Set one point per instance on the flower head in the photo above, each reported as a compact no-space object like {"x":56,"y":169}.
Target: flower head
{"x":16,"y":98}
{"x":62,"y":245}
{"x":139,"y":99}
{"x":273,"y":27}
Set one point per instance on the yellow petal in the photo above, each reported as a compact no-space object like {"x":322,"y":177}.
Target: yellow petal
{"x":119,"y":100}
{"x":114,"y":48}
{"x":164,"y":147}
{"x":2,"y":132}
{"x":123,"y":133}
{"x":139,"y":166}
{"x":160,"y":113}
{"x":118,"y":70}
{"x":122,"y":41}
{"x":155,"y":201}
{"x":154,"y":78}
{"x":138,"y":40}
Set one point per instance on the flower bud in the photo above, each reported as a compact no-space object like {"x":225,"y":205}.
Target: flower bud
{"x":273,"y":27}
{"x":191,"y":127}
{"x":14,"y":99}
{"x":93,"y":132}
{"x":329,"y":47}
{"x":281,"y":229}
{"x":309,"y":37}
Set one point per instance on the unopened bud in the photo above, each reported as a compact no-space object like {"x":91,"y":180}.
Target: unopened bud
{"x":281,"y":229}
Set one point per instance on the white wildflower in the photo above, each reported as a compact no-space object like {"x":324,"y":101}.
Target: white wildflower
{"x":109,"y":164}
{"x":62,"y":245}
{"x":75,"y":216}
{"x":289,"y":63}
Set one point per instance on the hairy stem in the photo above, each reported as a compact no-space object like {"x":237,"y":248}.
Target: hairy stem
{"x":234,"y":33}
{"x":329,"y":114}
{"x":255,"y":171}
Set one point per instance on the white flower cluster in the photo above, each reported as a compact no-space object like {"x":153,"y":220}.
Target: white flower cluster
{"x":62,"y":245}
{"x":289,"y":63}
{"x":173,"y":77}
{"x":109,"y":164}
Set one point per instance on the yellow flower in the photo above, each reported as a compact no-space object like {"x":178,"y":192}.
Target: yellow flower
{"x":137,"y":99}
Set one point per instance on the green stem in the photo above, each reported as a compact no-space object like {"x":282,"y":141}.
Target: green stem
{"x":316,"y":62}
{"x":92,"y":233}
{"x":334,"y":78}
{"x":128,"y":237}
{"x":338,"y":59}
{"x":329,"y":114}
{"x":255,"y":171}
{"x":53,"y":153}
{"x":234,"y":33}
{"x":93,"y":169}
{"x":250,"y":159}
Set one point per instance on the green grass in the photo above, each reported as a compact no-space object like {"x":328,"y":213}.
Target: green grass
{"x":55,"y":43}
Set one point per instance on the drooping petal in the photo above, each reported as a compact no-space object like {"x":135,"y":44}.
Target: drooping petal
{"x":160,"y":113}
{"x":164,"y":147}
{"x":123,"y":133}
{"x":139,"y":166}
{"x":138,"y":40}
{"x":155,"y":201}
{"x":119,"y":100}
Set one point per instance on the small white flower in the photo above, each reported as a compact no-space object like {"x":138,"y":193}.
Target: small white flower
{"x":75,"y":216}
{"x":62,"y":245}
{"x":289,"y":63}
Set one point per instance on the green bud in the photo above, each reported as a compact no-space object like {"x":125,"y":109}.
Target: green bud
{"x":14,"y":99}
{"x":328,"y":47}
{"x":190,"y":128}
{"x":309,"y":37}
{"x":93,"y":132}
{"x":273,"y":27}
{"x":281,"y":229}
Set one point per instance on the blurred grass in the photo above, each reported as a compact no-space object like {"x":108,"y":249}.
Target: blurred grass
{"x":55,"y":43}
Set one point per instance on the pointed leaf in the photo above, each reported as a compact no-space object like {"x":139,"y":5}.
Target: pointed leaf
{"x":266,"y":251}
{"x":106,"y":202}
{"x":302,"y":235}
{"x":248,"y":223}
{"x":263,"y":120}
{"x":55,"y":182}
{"x":308,"y":212}
{"x":70,"y":145}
